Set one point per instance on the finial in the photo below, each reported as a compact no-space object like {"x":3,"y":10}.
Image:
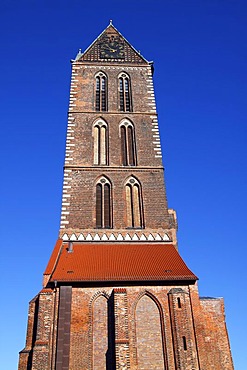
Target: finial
{"x":110,"y":22}
{"x":79,"y":54}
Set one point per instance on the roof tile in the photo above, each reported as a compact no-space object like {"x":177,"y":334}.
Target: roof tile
{"x":120,"y":262}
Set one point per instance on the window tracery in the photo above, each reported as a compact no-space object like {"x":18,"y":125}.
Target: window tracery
{"x":100,"y":134}
{"x":128,"y":147}
{"x":134,"y":206}
{"x":125,"y":96}
{"x":103,"y":203}
{"x":100,"y":92}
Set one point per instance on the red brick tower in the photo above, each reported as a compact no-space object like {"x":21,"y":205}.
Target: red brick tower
{"x":116,"y":293}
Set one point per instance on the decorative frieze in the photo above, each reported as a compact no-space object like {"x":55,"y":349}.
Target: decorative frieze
{"x":117,"y":237}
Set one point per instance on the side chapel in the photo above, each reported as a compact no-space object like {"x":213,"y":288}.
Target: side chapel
{"x":116,"y":293}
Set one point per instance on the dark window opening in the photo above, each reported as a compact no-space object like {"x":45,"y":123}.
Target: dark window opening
{"x":125,"y":99}
{"x":128,"y":152}
{"x":134,"y":208}
{"x":184,"y":343}
{"x":100,"y":133}
{"x":101,"y":93}
{"x":121,"y":94}
{"x":99,"y":205}
{"x":123,"y":146}
{"x":103,"y":205}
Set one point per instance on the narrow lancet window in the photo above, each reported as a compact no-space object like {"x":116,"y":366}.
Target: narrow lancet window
{"x":134,"y":206}
{"x":103,"y":204}
{"x":184,"y":343}
{"x":101,"y":92}
{"x":100,"y":134}
{"x":125,"y":98}
{"x":128,"y":147}
{"x":100,"y":333}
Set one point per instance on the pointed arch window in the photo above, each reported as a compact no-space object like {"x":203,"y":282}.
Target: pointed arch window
{"x":103,"y":204}
{"x":100,"y":134}
{"x":148,"y":332}
{"x":100,"y":333}
{"x":125,"y":97}
{"x":128,"y":147}
{"x":101,"y":92}
{"x":134,"y":206}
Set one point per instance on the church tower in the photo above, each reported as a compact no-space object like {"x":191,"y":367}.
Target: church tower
{"x":116,"y":293}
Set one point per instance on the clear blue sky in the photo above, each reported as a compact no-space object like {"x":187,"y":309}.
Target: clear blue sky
{"x":199,"y":50}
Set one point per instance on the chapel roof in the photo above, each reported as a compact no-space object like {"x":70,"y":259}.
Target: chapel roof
{"x":100,"y":262}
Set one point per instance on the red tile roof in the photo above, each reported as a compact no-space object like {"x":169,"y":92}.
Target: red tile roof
{"x":54,"y":257}
{"x":117,"y":262}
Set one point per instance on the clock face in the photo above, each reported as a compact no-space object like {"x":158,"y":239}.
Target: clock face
{"x":111,"y":49}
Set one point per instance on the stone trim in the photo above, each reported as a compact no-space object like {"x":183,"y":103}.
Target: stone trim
{"x":117,"y":237}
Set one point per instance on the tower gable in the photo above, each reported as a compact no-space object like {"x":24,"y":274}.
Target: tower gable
{"x":112,"y":47}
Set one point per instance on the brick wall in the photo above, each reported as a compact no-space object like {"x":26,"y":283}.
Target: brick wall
{"x":78,"y":212}
{"x":148,"y":332}
{"x":121,"y":324}
{"x":82,"y":209}
{"x":100,"y":333}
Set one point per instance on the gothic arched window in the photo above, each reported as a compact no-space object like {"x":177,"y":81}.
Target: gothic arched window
{"x":103,"y":204}
{"x":134,"y":206}
{"x":101,"y":92}
{"x":128,"y":147}
{"x":100,"y":333}
{"x":100,"y":134}
{"x":125,"y":98}
{"x":149,"y":332}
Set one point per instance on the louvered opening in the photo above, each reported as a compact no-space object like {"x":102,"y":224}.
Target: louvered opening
{"x":103,"y":94}
{"x":121,"y":94}
{"x":127,"y":95}
{"x":97,"y":97}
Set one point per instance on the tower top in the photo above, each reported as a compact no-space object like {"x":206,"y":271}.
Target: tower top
{"x":111,"y":46}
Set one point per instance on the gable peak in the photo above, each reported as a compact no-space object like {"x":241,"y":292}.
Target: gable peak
{"x":111,"y":46}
